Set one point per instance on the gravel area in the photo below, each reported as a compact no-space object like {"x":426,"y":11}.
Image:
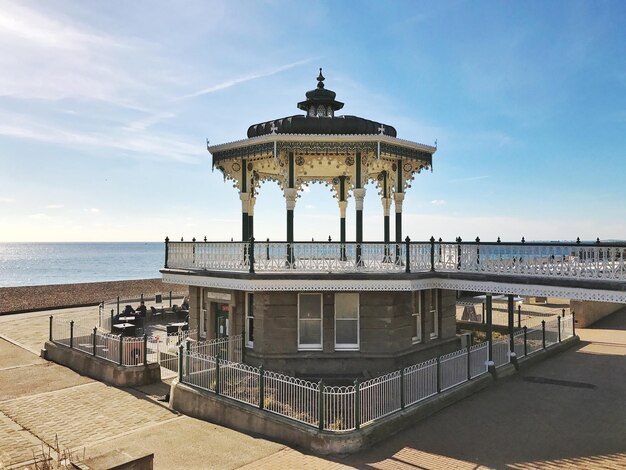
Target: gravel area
{"x":31,"y":298}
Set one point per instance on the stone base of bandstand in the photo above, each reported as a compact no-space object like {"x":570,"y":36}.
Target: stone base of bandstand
{"x":224,"y":411}
{"x":100,"y":369}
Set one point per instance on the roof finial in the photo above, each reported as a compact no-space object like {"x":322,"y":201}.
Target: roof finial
{"x":320,"y":79}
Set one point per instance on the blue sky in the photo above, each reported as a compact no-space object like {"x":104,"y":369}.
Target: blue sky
{"x":105,"y":108}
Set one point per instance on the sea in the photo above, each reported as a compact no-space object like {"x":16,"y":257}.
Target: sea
{"x":33,"y":264}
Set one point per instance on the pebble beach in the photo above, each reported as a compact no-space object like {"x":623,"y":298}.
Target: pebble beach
{"x":32,"y":298}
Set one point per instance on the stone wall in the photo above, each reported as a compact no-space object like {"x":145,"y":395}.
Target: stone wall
{"x":588,"y":312}
{"x":100,"y":369}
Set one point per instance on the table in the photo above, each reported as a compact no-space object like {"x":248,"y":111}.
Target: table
{"x":127,"y":319}
{"x":126,"y":328}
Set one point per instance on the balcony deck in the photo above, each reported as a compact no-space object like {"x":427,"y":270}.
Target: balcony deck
{"x":595,"y":266}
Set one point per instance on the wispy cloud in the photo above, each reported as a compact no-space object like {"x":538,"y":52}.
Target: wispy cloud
{"x":247,"y":78}
{"x":6,"y":200}
{"x":144,"y":145}
{"x":94,"y":210}
{"x":55,"y":206}
{"x":39,"y":216}
{"x":438,"y":202}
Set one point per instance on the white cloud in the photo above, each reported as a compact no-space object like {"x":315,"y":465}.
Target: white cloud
{"x":55,"y":206}
{"x":309,"y":206}
{"x":94,"y":210}
{"x":438,"y":202}
{"x":6,"y":200}
{"x":146,"y":144}
{"x":246,"y":78}
{"x":39,"y":216}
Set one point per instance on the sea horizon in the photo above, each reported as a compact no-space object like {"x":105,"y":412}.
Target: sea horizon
{"x":47,"y":263}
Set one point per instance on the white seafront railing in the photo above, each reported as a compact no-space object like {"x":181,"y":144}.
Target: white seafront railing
{"x":597,"y":261}
{"x":453,"y":369}
{"x":348,"y":407}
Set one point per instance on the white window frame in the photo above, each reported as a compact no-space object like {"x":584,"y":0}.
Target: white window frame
{"x":416,"y":317}
{"x":312,"y":347}
{"x":249,"y":343}
{"x":433,"y":313}
{"x":349,"y":346}
{"x":203,"y":315}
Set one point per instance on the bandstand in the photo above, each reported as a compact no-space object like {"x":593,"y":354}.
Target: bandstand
{"x":318,"y":309}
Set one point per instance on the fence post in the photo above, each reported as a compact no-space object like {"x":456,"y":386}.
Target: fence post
{"x":50,"y":336}
{"x":357,"y":404}
{"x":320,"y":405}
{"x":432,"y":253}
{"x":573,"y":324}
{"x":111,"y":328}
{"x":543,"y":333}
{"x":519,"y":316}
{"x":142,"y":297}
{"x":438,"y":375}
{"x":402,"y":398}
{"x":558,"y":325}
{"x":407,"y":268}
{"x":563,"y":313}
{"x":71,"y":333}
{"x":243,"y":346}
{"x":167,"y":243}
{"x":121,"y":343}
{"x":188,"y":348}
{"x":170,"y":299}
{"x":469,"y":363}
{"x":261,"y":387}
{"x":95,"y":332}
{"x":145,"y":349}
{"x":251,"y":253}
{"x":217,"y":373}
{"x":180,"y":363}
{"x":525,"y":337}
{"x":118,"y":307}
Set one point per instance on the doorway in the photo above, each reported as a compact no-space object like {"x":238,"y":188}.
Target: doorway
{"x":221,"y":320}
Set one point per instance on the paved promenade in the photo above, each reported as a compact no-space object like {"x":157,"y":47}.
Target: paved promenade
{"x":567,"y":412}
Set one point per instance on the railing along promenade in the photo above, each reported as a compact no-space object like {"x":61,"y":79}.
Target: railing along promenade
{"x":578,"y":260}
{"x":349,"y":407}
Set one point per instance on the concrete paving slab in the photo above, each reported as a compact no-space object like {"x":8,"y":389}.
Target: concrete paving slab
{"x":14,"y":356}
{"x":185,"y":443}
{"x":37,"y":378}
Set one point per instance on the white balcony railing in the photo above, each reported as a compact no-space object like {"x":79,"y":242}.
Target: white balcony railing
{"x":598,"y":261}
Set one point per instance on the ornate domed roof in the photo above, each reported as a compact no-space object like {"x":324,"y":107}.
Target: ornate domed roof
{"x":320,"y":106}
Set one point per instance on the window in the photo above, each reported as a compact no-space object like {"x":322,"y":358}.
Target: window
{"x":347,"y":321}
{"x":310,"y":321}
{"x":250,"y":320}
{"x":429,"y":308}
{"x":202,"y":321}
{"x":416,"y":317}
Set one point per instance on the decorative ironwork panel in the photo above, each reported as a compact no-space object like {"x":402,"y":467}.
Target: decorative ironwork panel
{"x":244,"y":152}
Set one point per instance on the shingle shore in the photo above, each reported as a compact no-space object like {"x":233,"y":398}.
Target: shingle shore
{"x":29,"y":298}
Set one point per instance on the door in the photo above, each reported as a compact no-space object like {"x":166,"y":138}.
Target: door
{"x":221,"y":320}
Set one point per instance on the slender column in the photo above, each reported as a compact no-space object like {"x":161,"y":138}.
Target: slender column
{"x":245,"y":216}
{"x":251,"y":203}
{"x":245,"y":197}
{"x":511,"y":309}
{"x":359,"y":195}
{"x":398,"y":199}
{"x":488,"y":304}
{"x":343,"y":205}
{"x":386,"y":206}
{"x":290,"y":198}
